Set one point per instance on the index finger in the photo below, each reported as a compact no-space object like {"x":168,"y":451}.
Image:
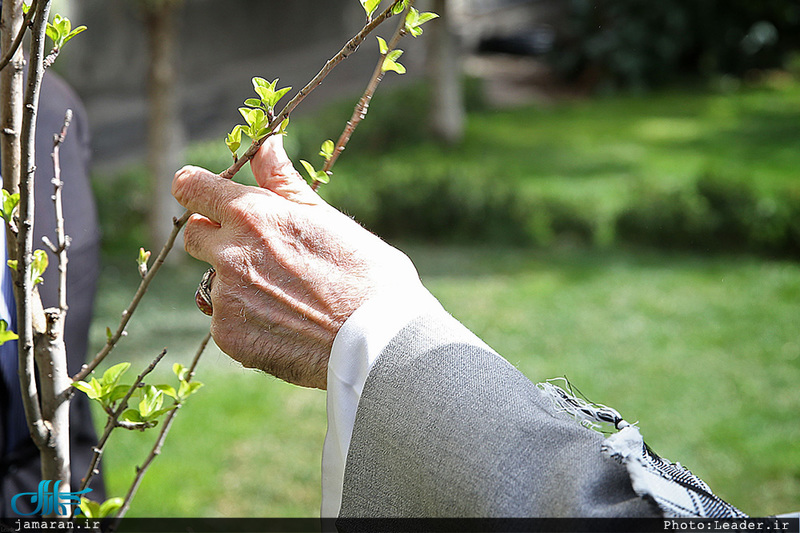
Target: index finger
{"x":204,"y":192}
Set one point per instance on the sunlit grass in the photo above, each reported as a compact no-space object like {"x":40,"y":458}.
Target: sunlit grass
{"x":703,"y":353}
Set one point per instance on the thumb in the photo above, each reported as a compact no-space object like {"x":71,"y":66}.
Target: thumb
{"x":274,"y":171}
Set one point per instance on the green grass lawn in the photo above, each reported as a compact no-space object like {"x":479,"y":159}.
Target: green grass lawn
{"x":704,"y":353}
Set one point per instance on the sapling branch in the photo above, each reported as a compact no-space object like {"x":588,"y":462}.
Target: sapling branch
{"x":162,"y":436}
{"x":113,"y":339}
{"x":350,"y":47}
{"x":62,"y":238}
{"x":15,"y":44}
{"x":113,"y":419}
{"x":361,"y":108}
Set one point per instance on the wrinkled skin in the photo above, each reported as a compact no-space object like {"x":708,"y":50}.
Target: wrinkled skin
{"x":290,"y":268}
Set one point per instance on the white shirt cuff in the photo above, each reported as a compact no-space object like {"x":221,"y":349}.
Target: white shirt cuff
{"x":356,"y":347}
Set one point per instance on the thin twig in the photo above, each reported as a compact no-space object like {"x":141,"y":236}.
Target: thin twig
{"x":162,"y":436}
{"x":351,"y":46}
{"x":62,"y":238}
{"x":87,"y":369}
{"x":15,"y":44}
{"x":197,"y":355}
{"x":113,"y":419}
{"x":362,"y":106}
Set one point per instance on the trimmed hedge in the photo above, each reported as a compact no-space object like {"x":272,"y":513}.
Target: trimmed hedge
{"x":712,"y":215}
{"x":716,"y":215}
{"x":461,"y":209}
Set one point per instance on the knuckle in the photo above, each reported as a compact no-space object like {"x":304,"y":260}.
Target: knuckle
{"x":184,"y":182}
{"x":247,"y":211}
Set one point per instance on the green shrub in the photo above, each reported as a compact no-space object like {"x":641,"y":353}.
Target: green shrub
{"x":123,"y":201}
{"x":715,"y":214}
{"x":615,"y":44}
{"x":444,"y":207}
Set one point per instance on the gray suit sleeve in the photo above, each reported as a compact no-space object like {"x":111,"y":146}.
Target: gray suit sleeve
{"x":447,"y":428}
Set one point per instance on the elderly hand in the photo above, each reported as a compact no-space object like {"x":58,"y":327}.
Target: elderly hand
{"x":290,"y":269}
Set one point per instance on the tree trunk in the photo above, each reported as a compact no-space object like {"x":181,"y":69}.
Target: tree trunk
{"x":11,"y":89}
{"x":165,"y":140}
{"x":444,"y":67}
{"x":51,"y":360}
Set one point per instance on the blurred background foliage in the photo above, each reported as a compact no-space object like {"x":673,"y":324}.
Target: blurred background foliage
{"x":635,"y":44}
{"x":684,"y":169}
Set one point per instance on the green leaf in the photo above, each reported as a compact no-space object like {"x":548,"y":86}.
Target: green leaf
{"x":97,"y":389}
{"x":245,"y":112}
{"x":141,"y":261}
{"x":259,"y":119}
{"x":234,"y":139}
{"x":73,"y":33}
{"x":112,"y":375}
{"x":62,"y":24}
{"x":117,"y":393}
{"x":260,"y":82}
{"x":267,"y":92}
{"x":187,"y":389}
{"x":169,"y":390}
{"x":160,"y":412}
{"x":327,"y":148}
{"x":232,"y":143}
{"x":151,"y":401}
{"x":390,"y":62}
{"x":89,"y":508}
{"x":12,"y":264}
{"x":309,"y":169}
{"x":382,"y":46}
{"x":280,"y":94}
{"x":398,"y":8}
{"x":10,"y":202}
{"x":83,"y":387}
{"x":426,"y":16}
{"x":38,"y":266}
{"x":52,"y":33}
{"x":180,"y":371}
{"x":5,"y":334}
{"x":315,"y":175}
{"x":110,"y":507}
{"x":144,"y":256}
{"x":131,"y":415}
{"x":415,"y":19}
{"x":109,"y":334}
{"x":370,"y":6}
{"x":283,"y":126}
{"x":93,"y":389}
{"x":253,"y":102}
